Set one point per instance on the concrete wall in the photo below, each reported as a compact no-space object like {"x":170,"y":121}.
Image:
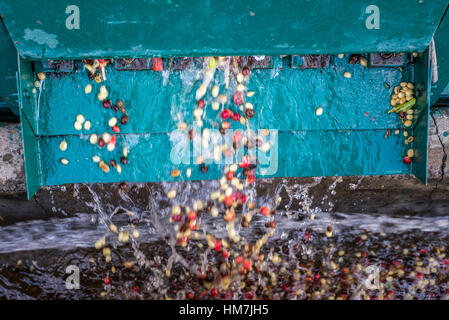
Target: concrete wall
{"x":12,"y":171}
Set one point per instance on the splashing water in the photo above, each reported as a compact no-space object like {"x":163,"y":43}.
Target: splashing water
{"x":407,"y":254}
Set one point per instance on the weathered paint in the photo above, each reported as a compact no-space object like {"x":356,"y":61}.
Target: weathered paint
{"x":202,"y":27}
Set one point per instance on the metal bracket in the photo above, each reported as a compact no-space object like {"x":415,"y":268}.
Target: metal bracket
{"x":310,"y":61}
{"x":388,"y":59}
{"x":56,"y":66}
{"x":134,"y":64}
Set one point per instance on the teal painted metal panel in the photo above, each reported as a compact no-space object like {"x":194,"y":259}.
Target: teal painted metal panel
{"x":335,"y":153}
{"x":356,"y":103}
{"x":148,"y":160}
{"x":8,"y":70}
{"x":116,"y":28}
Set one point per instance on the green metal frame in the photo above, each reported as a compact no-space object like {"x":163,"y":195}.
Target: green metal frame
{"x":30,"y":140}
{"x":422,"y":79}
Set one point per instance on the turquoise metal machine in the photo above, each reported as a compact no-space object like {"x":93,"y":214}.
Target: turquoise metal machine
{"x":298,"y":73}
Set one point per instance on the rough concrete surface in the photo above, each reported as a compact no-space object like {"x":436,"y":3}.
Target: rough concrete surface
{"x":439,"y":143}
{"x":375,"y":194}
{"x":12,"y":170}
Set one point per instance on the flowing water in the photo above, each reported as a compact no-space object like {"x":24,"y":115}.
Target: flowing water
{"x":366,"y":256}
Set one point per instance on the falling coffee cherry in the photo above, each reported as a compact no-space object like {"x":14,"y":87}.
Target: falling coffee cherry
{"x":251,"y":178}
{"x":226,"y":113}
{"x":225,"y":125}
{"x":191,"y":134}
{"x":238,"y":98}
{"x":245,"y":71}
{"x":121,"y":106}
{"x":407,"y":160}
{"x":265,"y":211}
{"x":245,"y":223}
{"x":249,"y":113}
{"x":245,"y":162}
{"x":100,"y":142}
{"x":106,"y":104}
{"x":124,"y":120}
{"x":217,"y":245}
{"x":203,"y":168}
{"x":124,"y":160}
{"x":192,"y":215}
{"x":200,"y":103}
